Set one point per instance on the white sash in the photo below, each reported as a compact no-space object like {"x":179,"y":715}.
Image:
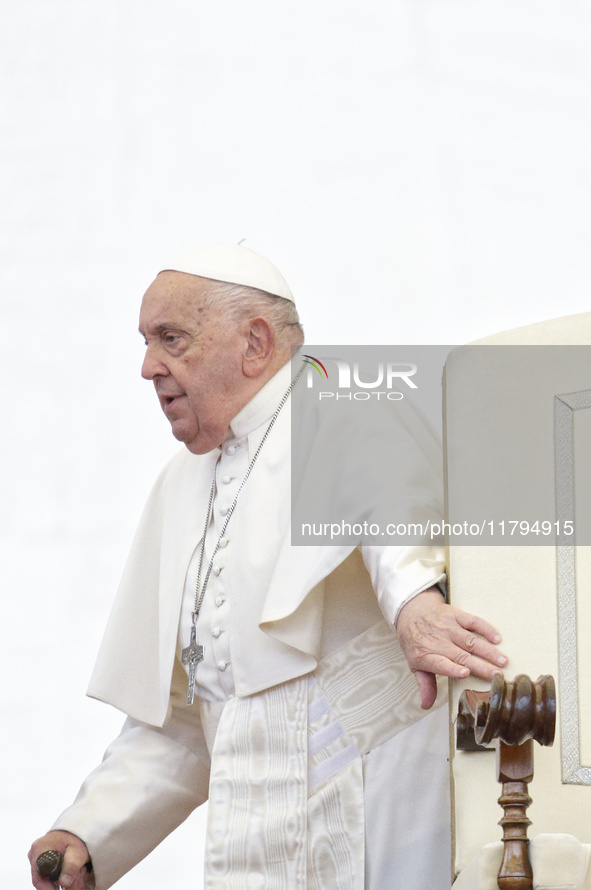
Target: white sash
{"x":286,"y":803}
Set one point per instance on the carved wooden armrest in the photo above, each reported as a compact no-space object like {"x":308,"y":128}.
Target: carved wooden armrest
{"x":514,"y":714}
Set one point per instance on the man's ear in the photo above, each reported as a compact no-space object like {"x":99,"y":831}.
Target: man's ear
{"x":259,"y":348}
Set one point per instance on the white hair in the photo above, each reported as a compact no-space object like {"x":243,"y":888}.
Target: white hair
{"x":238,"y":302}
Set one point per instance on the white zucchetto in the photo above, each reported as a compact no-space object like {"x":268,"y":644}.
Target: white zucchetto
{"x":234,"y":264}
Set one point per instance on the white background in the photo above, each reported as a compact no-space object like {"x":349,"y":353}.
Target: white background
{"x":419,"y":170}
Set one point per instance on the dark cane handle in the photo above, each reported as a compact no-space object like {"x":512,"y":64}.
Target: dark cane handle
{"x":49,"y":865}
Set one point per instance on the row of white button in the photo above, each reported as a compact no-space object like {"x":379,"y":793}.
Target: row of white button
{"x":216,"y":632}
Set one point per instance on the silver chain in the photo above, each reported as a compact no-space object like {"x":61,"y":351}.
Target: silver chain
{"x":200,"y":591}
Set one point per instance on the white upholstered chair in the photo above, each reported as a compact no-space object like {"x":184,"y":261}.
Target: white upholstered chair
{"x":518,"y":425}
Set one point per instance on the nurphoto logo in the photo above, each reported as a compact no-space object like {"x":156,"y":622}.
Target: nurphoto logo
{"x":315,"y":363}
{"x":363,"y":383}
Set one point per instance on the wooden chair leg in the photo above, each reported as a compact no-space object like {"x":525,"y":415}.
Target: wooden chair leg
{"x":515,"y":771}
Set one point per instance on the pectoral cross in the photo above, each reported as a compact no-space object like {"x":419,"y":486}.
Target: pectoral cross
{"x":192,"y":655}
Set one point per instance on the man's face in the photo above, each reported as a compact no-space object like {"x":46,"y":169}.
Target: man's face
{"x":194,"y":356}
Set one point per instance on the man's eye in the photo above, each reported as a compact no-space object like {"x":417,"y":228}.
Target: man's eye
{"x":170,"y":339}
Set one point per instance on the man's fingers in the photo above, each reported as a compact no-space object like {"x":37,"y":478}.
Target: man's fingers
{"x":436,"y":663}
{"x":470,"y":645}
{"x":75,"y":853}
{"x":435,"y":651}
{"x":478,"y":626}
{"x":456,"y":663}
{"x":437,"y":638}
{"x":73,"y":876}
{"x":41,"y":883}
{"x":427,"y":687}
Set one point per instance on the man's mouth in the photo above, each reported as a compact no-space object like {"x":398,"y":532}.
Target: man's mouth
{"x":169,"y":401}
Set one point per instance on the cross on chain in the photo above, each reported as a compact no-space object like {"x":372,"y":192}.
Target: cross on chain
{"x":192,"y":655}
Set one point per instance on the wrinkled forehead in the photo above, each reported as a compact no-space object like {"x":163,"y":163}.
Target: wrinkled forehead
{"x":174,"y":298}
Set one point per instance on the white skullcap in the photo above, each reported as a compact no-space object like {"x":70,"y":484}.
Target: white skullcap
{"x":234,"y":264}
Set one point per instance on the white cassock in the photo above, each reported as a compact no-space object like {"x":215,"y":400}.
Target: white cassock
{"x":307,"y":734}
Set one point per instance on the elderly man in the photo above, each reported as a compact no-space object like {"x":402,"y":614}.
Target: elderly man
{"x":265,"y":677}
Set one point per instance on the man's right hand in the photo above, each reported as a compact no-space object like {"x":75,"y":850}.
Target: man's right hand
{"x":75,"y":853}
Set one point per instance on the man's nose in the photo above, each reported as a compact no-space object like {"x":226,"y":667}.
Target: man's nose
{"x":152,"y":366}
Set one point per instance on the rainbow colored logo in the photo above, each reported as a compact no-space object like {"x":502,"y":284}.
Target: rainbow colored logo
{"x":316,"y":363}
